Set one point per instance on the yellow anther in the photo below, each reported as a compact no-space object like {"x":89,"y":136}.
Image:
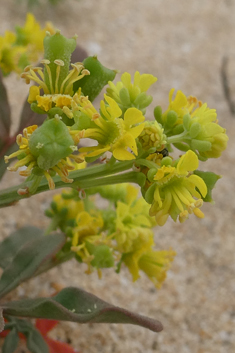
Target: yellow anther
{"x":95,"y":116}
{"x":45,"y":62}
{"x":27,"y":68}
{"x":68,"y":112}
{"x":85,"y":72}
{"x":59,"y":62}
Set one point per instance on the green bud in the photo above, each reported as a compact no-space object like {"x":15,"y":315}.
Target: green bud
{"x":151,"y":173}
{"x":92,"y":84}
{"x":200,"y":146}
{"x":142,"y":100}
{"x":34,"y":107}
{"x":186,"y":121}
{"x":58,"y":47}
{"x":148,"y":100}
{"x":141,"y":179}
{"x":166,"y":161}
{"x":82,"y":121}
{"x":210,"y":180}
{"x":171,"y":118}
{"x":50,"y":143}
{"x":103,"y":257}
{"x":195,"y":129}
{"x":158,"y":114}
{"x":125,"y":97}
{"x":54,"y":207}
{"x":178,"y":129}
{"x":150,"y":194}
{"x":182,"y":146}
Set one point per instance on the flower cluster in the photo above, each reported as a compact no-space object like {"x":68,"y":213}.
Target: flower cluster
{"x":22,"y":47}
{"x":104,"y":238}
{"x":124,"y":147}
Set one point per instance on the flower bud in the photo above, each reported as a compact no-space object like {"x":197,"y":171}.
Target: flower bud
{"x":171,"y":118}
{"x":125,"y":96}
{"x":186,"y":121}
{"x":158,"y":114}
{"x":201,"y":146}
{"x":194,"y":130}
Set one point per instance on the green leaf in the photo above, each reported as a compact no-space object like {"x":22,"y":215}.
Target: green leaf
{"x":74,"y":304}
{"x":5,"y":112}
{"x":28,"y":259}
{"x":11,"y":341}
{"x":92,"y":84}
{"x":210,"y":180}
{"x":34,"y":340}
{"x":11,"y":245}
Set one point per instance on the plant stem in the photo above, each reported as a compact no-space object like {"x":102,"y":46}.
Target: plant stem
{"x":178,"y":138}
{"x":84,"y":178}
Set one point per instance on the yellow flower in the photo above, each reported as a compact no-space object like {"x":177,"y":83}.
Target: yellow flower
{"x":10,"y":53}
{"x":73,"y":207}
{"x":128,"y":94}
{"x":202,"y":133}
{"x":87,"y":229}
{"x":175,"y":191}
{"x":154,"y":263}
{"x":152,"y":136}
{"x":31,"y":35}
{"x":45,"y":150}
{"x":132,"y":223}
{"x":113,"y":133}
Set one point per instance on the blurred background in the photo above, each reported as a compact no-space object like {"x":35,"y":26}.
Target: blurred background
{"x":188,"y":45}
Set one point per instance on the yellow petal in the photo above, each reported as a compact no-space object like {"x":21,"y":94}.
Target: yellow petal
{"x":144,"y":81}
{"x":123,"y":155}
{"x":188,"y":162}
{"x":133,"y":116}
{"x":199,"y":183}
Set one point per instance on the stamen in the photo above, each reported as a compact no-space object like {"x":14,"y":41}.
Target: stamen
{"x":21,"y":163}
{"x":50,"y":180}
{"x":76,"y":158}
{"x":65,"y":80}
{"x":68,"y":112}
{"x":27,"y":171}
{"x":59,"y":63}
{"x":50,"y":78}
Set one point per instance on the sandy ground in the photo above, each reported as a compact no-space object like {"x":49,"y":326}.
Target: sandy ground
{"x":182,"y":43}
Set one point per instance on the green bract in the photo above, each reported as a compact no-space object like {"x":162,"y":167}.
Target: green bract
{"x":50,"y":143}
{"x":58,"y":47}
{"x":99,"y":76}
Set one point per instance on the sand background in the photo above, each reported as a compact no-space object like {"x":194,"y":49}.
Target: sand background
{"x":183,"y":43}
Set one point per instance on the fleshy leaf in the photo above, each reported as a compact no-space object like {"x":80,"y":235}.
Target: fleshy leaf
{"x":11,"y":245}
{"x":210,"y":180}
{"x":92,"y":84}
{"x":74,"y":304}
{"x":28,"y":259}
{"x":11,"y":341}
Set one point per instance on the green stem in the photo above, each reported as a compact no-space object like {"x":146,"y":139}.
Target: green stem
{"x":9,"y":196}
{"x":178,"y":138}
{"x":146,"y":163}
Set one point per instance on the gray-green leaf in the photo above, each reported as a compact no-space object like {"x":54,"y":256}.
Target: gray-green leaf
{"x":28,"y":259}
{"x":77,"y":305}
